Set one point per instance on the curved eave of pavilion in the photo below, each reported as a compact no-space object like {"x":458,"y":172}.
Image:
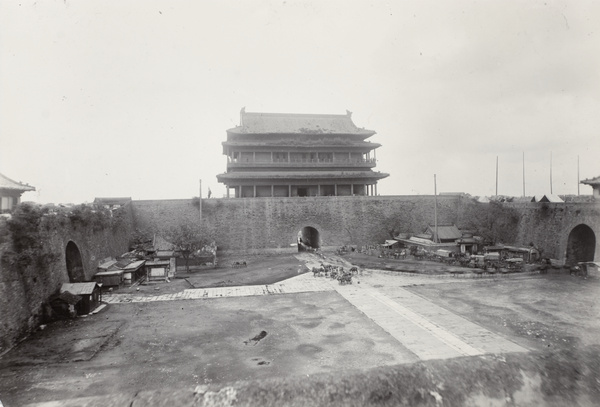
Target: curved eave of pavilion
{"x":240,"y":131}
{"x":357,"y":146}
{"x":301,"y":175}
{"x":8,"y":184}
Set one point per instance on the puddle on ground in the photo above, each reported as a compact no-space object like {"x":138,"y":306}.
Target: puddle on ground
{"x":260,"y":361}
{"x":256,"y":339}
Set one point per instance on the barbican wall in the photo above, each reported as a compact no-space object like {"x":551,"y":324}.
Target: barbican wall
{"x":24,"y":290}
{"x":548,"y":225}
{"x":267,"y":224}
{"x":272,"y":224}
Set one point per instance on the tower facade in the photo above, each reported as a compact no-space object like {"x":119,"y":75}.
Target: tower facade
{"x":289,"y":155}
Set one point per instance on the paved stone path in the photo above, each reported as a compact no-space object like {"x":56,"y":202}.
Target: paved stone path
{"x":429,"y":331}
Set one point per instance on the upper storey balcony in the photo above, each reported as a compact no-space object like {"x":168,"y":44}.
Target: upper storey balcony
{"x":325,"y":163}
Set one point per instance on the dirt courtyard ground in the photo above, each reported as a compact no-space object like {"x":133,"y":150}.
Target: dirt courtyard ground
{"x":128,"y":347}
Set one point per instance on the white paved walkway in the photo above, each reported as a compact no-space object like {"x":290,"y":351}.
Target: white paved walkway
{"x":428,"y":330}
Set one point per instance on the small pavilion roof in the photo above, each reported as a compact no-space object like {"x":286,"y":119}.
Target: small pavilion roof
{"x":7,"y":183}
{"x":295,"y":123}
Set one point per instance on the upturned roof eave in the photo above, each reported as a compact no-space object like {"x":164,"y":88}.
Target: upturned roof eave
{"x":360,"y":132}
{"x":591,"y":181}
{"x":364,"y":144}
{"x":12,"y":185}
{"x":247,"y":176}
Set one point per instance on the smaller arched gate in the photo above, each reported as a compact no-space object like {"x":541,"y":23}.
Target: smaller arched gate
{"x":308,"y":239}
{"x":74,"y":263}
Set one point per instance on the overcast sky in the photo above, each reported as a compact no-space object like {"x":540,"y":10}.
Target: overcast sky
{"x":133,"y":98}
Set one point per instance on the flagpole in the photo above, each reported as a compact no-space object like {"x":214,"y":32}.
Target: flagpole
{"x":578,"y":175}
{"x":523,"y":173}
{"x":200,"y":199}
{"x":550,"y":172}
{"x":496,"y":175}
{"x":435,"y":236}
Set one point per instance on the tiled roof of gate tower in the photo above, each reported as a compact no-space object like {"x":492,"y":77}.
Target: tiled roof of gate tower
{"x":295,"y":123}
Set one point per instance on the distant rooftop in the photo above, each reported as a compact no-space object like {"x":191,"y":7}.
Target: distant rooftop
{"x":112,"y":201}
{"x":7,"y":183}
{"x":295,"y":123}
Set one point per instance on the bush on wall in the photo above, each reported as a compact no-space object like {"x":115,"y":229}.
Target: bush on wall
{"x":30,"y":223}
{"x":26,"y":246}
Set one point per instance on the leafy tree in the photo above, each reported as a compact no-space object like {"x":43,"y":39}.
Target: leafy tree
{"x":188,"y":240}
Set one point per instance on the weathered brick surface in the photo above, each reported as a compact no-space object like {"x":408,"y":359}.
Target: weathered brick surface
{"x":272,"y":224}
{"x":22,"y":294}
{"x":264,"y":224}
{"x":255,"y":224}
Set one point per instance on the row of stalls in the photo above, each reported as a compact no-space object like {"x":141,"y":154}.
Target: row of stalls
{"x":126,"y":271}
{"x":153,"y":261}
{"x":450,"y":241}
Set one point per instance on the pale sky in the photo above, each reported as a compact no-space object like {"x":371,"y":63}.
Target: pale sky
{"x":102,"y":98}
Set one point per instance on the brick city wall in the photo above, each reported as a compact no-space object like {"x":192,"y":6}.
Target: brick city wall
{"x":259,"y":224}
{"x":23,"y":292}
{"x":548,"y":225}
{"x":263,"y":224}
{"x":256,"y":225}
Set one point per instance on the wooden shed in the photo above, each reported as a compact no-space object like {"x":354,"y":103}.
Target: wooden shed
{"x":109,"y":278}
{"x":157,"y":270}
{"x":89,"y":293}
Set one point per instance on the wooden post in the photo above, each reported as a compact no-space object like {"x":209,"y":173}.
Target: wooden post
{"x":435,"y":233}
{"x":200,"y":200}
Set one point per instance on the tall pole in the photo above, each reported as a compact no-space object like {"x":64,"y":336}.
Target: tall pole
{"x":200,"y":199}
{"x":496,"y":175}
{"x":435,"y":233}
{"x":523,"y":173}
{"x":578,"y":175}
{"x":550,"y":172}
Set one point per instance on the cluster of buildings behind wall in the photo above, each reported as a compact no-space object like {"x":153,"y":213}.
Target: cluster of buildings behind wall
{"x":273,"y":161}
{"x":293,"y":155}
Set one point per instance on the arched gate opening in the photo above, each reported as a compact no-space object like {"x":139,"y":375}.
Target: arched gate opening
{"x":308,"y":239}
{"x":74,"y":263}
{"x":581,"y":245}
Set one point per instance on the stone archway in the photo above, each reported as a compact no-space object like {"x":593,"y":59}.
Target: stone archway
{"x":308,"y":239}
{"x":74,"y":263}
{"x":581,"y":245}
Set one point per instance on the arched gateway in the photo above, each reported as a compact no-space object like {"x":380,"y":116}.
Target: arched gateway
{"x":581,"y":245}
{"x":308,"y":239}
{"x":74,"y":263}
